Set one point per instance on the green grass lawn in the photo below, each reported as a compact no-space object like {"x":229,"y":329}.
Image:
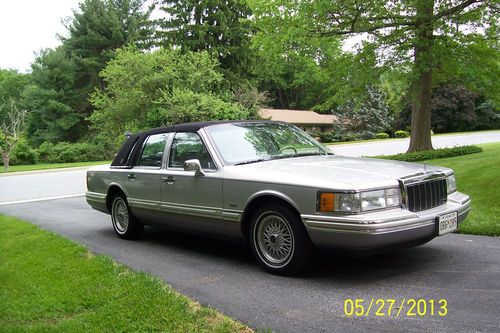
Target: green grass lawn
{"x":478,"y":176}
{"x":32,"y":167}
{"x":51,"y":284}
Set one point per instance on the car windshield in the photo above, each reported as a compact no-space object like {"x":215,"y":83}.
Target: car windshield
{"x":244,"y":143}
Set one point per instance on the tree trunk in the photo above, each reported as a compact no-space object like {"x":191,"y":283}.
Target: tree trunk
{"x":422,"y":84}
{"x":6,"y":159}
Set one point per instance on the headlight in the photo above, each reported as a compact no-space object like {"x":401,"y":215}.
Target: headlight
{"x":451,"y":184}
{"x":358,"y":202}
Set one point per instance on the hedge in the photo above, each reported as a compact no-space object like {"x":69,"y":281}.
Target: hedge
{"x":65,"y":152}
{"x":433,"y":154}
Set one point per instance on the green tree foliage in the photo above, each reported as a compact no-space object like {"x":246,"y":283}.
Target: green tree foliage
{"x":303,"y":71}
{"x":12,"y":84}
{"x":97,"y":29}
{"x":287,"y":65}
{"x":220,"y":27}
{"x":473,"y":60}
{"x":404,"y":31}
{"x":349,"y":75}
{"x":456,"y":108}
{"x":151,"y":89}
{"x":55,"y":105}
{"x":64,"y":77}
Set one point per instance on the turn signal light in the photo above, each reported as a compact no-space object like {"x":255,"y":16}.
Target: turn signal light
{"x":327,"y":202}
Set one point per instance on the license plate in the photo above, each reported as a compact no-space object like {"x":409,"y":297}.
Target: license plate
{"x":447,"y":223}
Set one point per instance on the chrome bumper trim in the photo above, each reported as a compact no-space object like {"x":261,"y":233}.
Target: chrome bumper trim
{"x":389,"y":222}
{"x":95,"y":197}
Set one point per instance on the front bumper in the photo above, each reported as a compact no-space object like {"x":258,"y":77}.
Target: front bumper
{"x":381,"y":229}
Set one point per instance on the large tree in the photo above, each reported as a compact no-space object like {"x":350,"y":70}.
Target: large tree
{"x":64,"y":77}
{"x":402,"y":31}
{"x":11,"y":130}
{"x":56,"y":105}
{"x":167,"y":86}
{"x":97,"y":29}
{"x":220,"y":27}
{"x":301,"y":71}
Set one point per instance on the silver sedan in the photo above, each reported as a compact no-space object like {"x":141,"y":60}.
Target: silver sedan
{"x":272,"y":185}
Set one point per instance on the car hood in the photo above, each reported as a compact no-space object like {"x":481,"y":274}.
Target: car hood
{"x":329,"y":172}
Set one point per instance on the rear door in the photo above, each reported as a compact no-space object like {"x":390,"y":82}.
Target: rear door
{"x":192,"y":201}
{"x":143,"y":181}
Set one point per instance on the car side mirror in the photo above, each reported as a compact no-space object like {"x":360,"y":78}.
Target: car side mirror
{"x":193,"y":165}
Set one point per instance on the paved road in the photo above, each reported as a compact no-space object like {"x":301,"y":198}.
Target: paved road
{"x":25,"y":186}
{"x":400,"y":146}
{"x":464,"y":270}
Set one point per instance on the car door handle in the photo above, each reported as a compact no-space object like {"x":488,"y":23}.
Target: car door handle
{"x":131,"y":176}
{"x":168,"y":179}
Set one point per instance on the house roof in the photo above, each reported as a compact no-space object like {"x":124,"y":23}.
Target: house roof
{"x":297,"y":116}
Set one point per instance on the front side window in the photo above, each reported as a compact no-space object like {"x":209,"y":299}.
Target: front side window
{"x":152,"y":153}
{"x":189,"y":146}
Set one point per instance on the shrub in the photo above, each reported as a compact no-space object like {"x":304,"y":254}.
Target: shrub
{"x":433,"y":154}
{"x":23,"y":154}
{"x":367,"y":114}
{"x":350,"y":137}
{"x":401,"y":134}
{"x":326,"y":136}
{"x":366,"y":135}
{"x":65,"y":152}
{"x":382,"y":135}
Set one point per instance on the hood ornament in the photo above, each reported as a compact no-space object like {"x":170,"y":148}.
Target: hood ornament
{"x":425,"y":167}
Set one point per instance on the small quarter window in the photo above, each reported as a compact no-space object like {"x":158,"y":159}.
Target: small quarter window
{"x":152,"y":153}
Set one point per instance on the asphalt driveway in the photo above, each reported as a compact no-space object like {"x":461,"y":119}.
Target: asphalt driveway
{"x":463,"y":270}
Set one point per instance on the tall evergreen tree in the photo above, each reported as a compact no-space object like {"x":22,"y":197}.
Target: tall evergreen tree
{"x":53,"y":101}
{"x":220,"y":27}
{"x":100,"y":27}
{"x":65,"y":77}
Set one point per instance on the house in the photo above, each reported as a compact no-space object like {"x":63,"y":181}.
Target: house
{"x":309,"y":121}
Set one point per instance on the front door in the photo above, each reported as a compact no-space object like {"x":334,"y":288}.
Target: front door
{"x":192,"y":201}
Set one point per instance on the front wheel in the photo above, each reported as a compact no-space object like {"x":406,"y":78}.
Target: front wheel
{"x":126,"y":225}
{"x":279,"y":240}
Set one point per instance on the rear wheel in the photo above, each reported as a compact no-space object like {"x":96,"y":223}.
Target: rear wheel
{"x":126,"y":225}
{"x":279,"y":240}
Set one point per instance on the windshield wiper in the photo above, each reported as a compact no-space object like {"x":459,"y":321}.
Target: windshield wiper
{"x":318,"y":153}
{"x":252,"y":161}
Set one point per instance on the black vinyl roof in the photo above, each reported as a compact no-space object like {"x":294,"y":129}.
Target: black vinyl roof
{"x":193,"y":127}
{"x":125,"y":158}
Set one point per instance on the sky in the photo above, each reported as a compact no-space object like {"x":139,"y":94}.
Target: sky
{"x":27,"y":26}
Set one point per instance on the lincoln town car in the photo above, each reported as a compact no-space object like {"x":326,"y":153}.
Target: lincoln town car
{"x":275,"y":187}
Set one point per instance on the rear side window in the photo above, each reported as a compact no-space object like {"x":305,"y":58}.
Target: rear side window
{"x":152,"y":153}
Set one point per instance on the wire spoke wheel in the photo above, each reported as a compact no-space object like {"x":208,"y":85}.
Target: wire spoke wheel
{"x":275,"y":239}
{"x":120,"y":215}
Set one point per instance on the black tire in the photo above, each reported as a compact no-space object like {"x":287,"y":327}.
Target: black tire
{"x":126,"y":225}
{"x":279,"y":240}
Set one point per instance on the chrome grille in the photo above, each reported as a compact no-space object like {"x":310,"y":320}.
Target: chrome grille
{"x":426,"y":195}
